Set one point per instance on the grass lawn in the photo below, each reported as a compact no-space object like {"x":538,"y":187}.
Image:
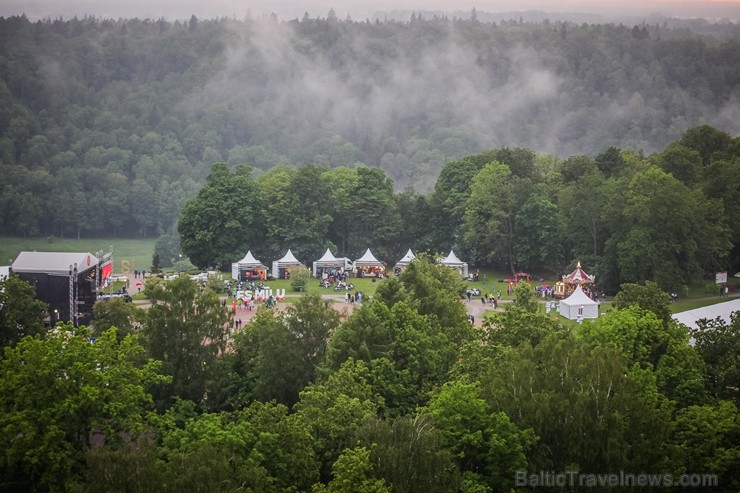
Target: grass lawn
{"x":690,"y":304}
{"x":365,"y":285}
{"x":127,"y":253}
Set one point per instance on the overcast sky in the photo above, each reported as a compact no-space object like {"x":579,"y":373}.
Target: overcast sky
{"x":358,"y":9}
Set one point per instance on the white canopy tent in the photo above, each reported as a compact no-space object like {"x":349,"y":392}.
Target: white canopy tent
{"x":369,"y":265}
{"x":281,"y":268}
{"x":249,"y":264}
{"x":405,"y":261}
{"x":578,"y":305}
{"x":452,"y":261}
{"x":721,"y":310}
{"x":327,"y":261}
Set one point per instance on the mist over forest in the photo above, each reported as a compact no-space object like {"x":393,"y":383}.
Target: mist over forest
{"x":139,"y":109}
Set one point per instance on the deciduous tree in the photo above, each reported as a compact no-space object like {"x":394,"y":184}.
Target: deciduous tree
{"x":61,"y":394}
{"x":186,"y":328}
{"x":21,"y":314}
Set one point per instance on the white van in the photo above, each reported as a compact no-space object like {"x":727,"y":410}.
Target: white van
{"x":349,"y":266}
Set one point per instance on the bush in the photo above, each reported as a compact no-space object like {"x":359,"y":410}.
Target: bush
{"x":299,"y":277}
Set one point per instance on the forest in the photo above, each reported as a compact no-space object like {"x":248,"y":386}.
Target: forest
{"x":404,"y":395}
{"x":108,"y":127}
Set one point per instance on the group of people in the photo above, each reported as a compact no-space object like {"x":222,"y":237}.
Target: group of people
{"x":333,"y":275}
{"x":139,"y":274}
{"x":492,"y":300}
{"x":485,"y":299}
{"x":352,"y":297}
{"x":241,"y":304}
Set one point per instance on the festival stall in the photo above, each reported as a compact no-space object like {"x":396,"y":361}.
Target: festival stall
{"x":578,"y":306}
{"x":404,"y":262}
{"x":369,"y":266}
{"x":328,"y":262}
{"x":575,"y":279}
{"x":249,"y":269}
{"x":453,"y":262}
{"x":281,"y":268}
{"x":522,"y":277}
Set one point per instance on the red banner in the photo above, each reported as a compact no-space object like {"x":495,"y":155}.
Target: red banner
{"x":106,"y":271}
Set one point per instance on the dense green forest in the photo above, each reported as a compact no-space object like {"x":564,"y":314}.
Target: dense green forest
{"x":404,"y":395}
{"x":107,"y":127}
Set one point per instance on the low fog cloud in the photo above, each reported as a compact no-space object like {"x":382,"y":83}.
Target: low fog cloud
{"x":446,"y":80}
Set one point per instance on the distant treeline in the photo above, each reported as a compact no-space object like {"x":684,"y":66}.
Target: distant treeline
{"x":669,"y":217}
{"x":107,"y":127}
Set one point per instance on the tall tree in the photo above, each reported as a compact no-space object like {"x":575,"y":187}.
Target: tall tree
{"x":409,"y":454}
{"x":307,"y":219}
{"x":260,"y":448}
{"x":223,"y":219}
{"x":353,"y":472}
{"x":277,"y":353}
{"x":537,"y":240}
{"x":185,"y":328}
{"x":334,"y":409}
{"x":59,"y":395}
{"x":709,"y":142}
{"x":666,"y":231}
{"x":489,"y":231}
{"x":21,"y":314}
{"x":342,"y":182}
{"x":486,"y":445}
{"x":590,"y":410}
{"x":375,"y":213}
{"x":718,"y":344}
{"x":708,"y":439}
{"x":450,"y":197}
{"x":117,"y":313}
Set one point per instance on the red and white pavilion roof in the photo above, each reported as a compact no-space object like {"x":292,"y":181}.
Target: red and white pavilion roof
{"x":579,"y":276}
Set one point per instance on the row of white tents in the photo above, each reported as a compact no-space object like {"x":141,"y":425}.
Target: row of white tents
{"x":577,"y":306}
{"x":250,"y":267}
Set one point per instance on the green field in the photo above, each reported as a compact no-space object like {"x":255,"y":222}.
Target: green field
{"x":127,"y":253}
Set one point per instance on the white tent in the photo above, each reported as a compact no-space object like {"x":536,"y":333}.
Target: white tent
{"x":578,"y":305}
{"x":249,"y":264}
{"x":281,"y":268}
{"x":369,"y":265}
{"x":451,"y":260}
{"x":721,"y":310}
{"x":327,"y":261}
{"x":406,"y":260}
{"x":368,"y":260}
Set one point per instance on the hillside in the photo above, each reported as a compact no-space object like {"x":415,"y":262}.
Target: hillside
{"x":108,"y":127}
